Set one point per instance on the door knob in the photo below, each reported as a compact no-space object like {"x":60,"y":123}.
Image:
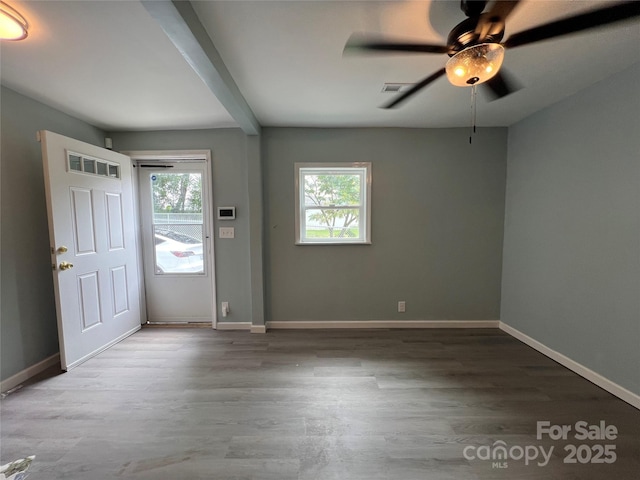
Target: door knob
{"x":62,"y":249}
{"x":65,"y":265}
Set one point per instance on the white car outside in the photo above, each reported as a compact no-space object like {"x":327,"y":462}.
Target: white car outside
{"x":178,"y":253}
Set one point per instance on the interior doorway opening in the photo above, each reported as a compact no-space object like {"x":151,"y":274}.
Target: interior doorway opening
{"x":174,"y":193}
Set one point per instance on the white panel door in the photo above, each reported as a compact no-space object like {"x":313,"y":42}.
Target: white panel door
{"x":93,"y":246}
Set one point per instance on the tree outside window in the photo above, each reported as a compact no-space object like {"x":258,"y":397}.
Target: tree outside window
{"x":177,"y":193}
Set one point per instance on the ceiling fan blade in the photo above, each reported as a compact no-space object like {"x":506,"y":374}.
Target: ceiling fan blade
{"x":418,"y":86}
{"x":501,"y":85}
{"x":584,"y":21}
{"x":498,"y":13}
{"x":502,"y":9}
{"x":380,"y":44}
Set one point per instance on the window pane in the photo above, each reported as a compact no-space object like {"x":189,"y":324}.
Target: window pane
{"x":89,"y":165}
{"x":328,"y":223}
{"x":178,"y":248}
{"x":332,"y":190}
{"x":74,"y":163}
{"x":178,"y":222}
{"x":177,"y":193}
{"x":114,"y":171}
{"x":102,"y":169}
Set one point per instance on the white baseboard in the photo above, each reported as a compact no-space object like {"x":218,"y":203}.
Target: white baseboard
{"x":179,"y":320}
{"x":385,"y":324}
{"x":233,"y":326}
{"x":27,"y":373}
{"x":241,"y":326}
{"x":611,"y":387}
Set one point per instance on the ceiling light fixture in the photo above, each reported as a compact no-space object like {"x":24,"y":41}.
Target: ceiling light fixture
{"x":475,"y":64}
{"x":13,"y":26}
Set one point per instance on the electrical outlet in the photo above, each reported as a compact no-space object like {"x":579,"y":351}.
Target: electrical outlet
{"x":402,"y":306}
{"x":225,"y":309}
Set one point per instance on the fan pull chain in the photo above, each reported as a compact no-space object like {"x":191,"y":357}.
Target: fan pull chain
{"x":473,"y":113}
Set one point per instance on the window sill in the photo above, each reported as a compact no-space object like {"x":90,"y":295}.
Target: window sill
{"x":332,"y":243}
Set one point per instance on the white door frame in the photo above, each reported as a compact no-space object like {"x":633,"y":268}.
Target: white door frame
{"x":168,"y":156}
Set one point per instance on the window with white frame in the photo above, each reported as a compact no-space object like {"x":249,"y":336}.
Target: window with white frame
{"x":333,"y":203}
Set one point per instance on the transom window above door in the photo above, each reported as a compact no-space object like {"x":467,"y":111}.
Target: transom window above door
{"x":78,"y":163}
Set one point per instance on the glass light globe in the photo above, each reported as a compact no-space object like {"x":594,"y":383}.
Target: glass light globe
{"x":13,"y":26}
{"x":475,"y":64}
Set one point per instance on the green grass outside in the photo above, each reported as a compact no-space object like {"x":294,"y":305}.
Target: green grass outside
{"x":325,"y":233}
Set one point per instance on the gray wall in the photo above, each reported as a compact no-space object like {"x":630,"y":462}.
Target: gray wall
{"x":437,"y":226}
{"x":230,"y":187}
{"x":571,"y":276}
{"x":28,"y":316}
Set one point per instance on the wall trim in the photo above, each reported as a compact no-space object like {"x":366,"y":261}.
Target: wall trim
{"x":384,"y":324}
{"x":595,"y":378}
{"x":27,"y":373}
{"x":233,"y":326}
{"x":241,"y":326}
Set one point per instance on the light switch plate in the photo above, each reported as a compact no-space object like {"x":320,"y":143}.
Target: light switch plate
{"x":227,"y":232}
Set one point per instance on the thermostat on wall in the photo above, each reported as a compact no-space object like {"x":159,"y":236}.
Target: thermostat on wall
{"x":226,"y":213}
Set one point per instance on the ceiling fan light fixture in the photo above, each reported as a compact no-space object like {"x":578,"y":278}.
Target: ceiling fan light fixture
{"x":475,"y":64}
{"x":13,"y":26}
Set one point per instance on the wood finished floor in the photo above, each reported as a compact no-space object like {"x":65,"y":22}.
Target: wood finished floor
{"x":309,"y":405}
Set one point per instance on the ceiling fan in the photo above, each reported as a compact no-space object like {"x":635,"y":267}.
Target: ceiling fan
{"x":475,"y":45}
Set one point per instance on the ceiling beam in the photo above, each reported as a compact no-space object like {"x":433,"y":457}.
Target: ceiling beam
{"x":180,"y":22}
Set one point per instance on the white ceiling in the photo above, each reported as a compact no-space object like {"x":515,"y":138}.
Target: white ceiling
{"x":111,"y":64}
